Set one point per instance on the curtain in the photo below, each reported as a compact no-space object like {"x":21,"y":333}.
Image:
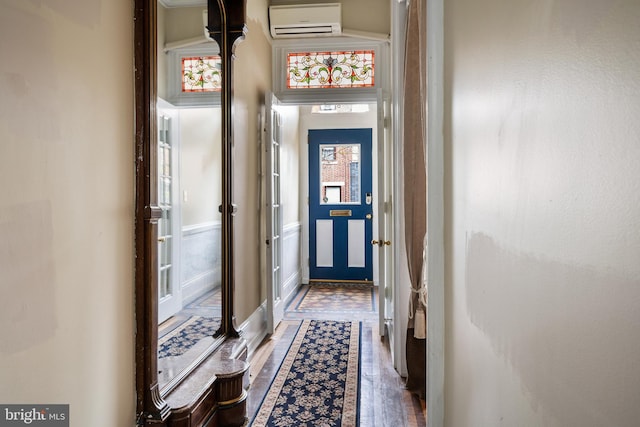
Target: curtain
{"x":415,"y":192}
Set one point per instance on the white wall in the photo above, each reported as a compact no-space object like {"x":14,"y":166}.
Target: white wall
{"x":66,"y":211}
{"x":542,"y":213}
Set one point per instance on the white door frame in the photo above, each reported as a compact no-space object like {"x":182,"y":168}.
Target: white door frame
{"x":387,"y":55}
{"x":435,"y":212}
{"x":280,"y":48}
{"x":331,"y":121}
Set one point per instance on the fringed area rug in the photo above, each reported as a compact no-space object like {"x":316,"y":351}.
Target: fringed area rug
{"x":319,"y":380}
{"x":186,"y":335}
{"x":333,"y":297}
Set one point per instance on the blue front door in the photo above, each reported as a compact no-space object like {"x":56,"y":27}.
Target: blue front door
{"x":340,"y":205}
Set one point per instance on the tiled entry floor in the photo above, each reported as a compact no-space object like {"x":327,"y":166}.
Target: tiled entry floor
{"x":383,"y":399}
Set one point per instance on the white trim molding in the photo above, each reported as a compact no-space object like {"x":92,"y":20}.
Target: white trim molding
{"x":174,"y":74}
{"x":435,"y":213}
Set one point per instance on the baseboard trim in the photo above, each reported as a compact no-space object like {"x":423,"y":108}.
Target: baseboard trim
{"x":254,"y":329}
{"x":291,"y":286}
{"x":198,"y":286}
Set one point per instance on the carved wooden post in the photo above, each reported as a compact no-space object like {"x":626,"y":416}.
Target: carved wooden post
{"x":227,"y":27}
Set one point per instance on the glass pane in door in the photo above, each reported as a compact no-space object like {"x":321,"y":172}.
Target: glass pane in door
{"x":339,"y":174}
{"x":165,"y":181}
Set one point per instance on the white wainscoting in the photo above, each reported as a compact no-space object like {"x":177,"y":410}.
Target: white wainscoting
{"x":201,"y":260}
{"x":291,"y":260}
{"x":254,"y":329}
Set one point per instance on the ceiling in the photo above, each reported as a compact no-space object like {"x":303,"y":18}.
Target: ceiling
{"x":183,"y":3}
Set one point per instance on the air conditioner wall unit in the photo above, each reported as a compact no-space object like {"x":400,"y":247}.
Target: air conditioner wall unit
{"x":305,"y":20}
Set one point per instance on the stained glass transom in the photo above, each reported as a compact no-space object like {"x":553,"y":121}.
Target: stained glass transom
{"x":201,"y":74}
{"x":322,"y":70}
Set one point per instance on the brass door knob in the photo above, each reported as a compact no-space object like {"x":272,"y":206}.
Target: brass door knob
{"x":381,"y":243}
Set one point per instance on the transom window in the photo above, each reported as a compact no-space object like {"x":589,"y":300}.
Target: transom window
{"x":338,"y":69}
{"x":201,"y":74}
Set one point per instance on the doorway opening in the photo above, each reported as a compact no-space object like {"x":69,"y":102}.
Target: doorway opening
{"x":348,"y":183}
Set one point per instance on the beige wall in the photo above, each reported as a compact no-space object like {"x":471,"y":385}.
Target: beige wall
{"x":252,"y":79}
{"x":200,"y":165}
{"x":184,"y":23}
{"x":542,"y":213}
{"x":367,"y":15}
{"x":361,"y":15}
{"x":66,"y":211}
{"x":161,"y":55}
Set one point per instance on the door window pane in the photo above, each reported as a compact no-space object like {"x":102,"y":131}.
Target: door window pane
{"x":340,"y":174}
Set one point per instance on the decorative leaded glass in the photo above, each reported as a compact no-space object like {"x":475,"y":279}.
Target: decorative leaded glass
{"x":201,"y":74}
{"x":322,"y":70}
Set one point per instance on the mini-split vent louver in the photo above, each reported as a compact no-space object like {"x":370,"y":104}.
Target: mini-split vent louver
{"x":305,"y":20}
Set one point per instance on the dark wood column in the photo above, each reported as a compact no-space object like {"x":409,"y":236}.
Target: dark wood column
{"x":150,"y":405}
{"x":227,"y":27}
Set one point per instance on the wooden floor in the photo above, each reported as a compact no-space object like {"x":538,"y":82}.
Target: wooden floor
{"x":383,"y":399}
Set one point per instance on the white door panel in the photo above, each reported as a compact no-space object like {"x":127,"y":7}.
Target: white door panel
{"x":271,"y":151}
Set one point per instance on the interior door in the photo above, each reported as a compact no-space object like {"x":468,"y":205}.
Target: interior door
{"x":340,"y":205}
{"x":170,"y":298}
{"x":272,"y":146}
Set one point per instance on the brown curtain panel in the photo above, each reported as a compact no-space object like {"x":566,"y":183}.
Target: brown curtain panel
{"x":415,"y":190}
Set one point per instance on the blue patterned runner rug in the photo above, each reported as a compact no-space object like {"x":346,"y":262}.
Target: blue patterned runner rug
{"x":319,"y":380}
{"x":185,"y":336}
